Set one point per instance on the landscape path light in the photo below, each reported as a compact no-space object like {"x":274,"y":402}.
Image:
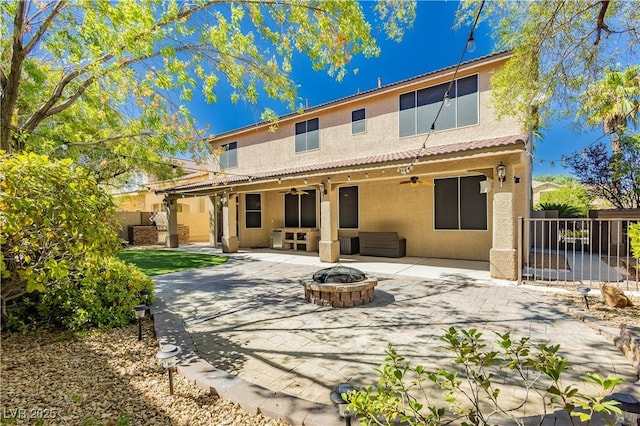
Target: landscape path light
{"x":140,"y":311}
{"x":584,"y":290}
{"x":168,"y":355}
{"x":337,"y":398}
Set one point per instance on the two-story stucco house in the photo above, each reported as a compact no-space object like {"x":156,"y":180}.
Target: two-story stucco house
{"x":377,"y":161}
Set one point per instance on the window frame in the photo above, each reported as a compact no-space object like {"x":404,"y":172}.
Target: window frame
{"x":299,"y":197}
{"x":226,"y":155}
{"x":460,"y":204}
{"x":357,"y":121}
{"x":357,"y":207}
{"x":306,"y":133}
{"x":247,"y":210}
{"x":411,"y":101}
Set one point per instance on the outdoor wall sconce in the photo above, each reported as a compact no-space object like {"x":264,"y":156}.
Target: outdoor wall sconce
{"x":140,"y":310}
{"x":502,"y":173}
{"x":338,"y":397}
{"x":168,"y":355}
{"x":323,"y":190}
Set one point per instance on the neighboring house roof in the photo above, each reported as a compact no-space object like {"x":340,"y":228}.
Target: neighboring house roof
{"x":370,"y":160}
{"x":544,"y":186}
{"x":365,"y":93}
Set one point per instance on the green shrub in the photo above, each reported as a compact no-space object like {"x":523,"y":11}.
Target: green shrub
{"x":59,"y":238}
{"x":100,"y":294}
{"x":634,"y":234}
{"x":471,"y":386}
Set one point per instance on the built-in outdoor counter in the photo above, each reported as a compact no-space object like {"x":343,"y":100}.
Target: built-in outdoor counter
{"x":305,"y":239}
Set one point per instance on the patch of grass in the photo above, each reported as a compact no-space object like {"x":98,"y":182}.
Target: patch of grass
{"x":157,"y":262}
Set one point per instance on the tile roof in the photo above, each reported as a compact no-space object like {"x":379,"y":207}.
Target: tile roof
{"x":429,"y":151}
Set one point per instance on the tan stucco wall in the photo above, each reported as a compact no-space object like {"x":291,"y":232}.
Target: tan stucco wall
{"x":386,"y":205}
{"x":260,"y":151}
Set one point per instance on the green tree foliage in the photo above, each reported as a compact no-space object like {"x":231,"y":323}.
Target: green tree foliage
{"x":471,"y":386}
{"x":58,"y":234}
{"x":634,"y":235}
{"x":559,"y":50}
{"x":93,"y":80}
{"x":613,"y":101}
{"x":614,"y":177}
{"x":572,"y":194}
{"x":564,"y":210}
{"x":559,"y":179}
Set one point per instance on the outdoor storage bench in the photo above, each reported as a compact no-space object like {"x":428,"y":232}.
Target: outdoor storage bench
{"x":386,"y":244}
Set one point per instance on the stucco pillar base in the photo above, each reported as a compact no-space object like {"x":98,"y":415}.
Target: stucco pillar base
{"x":329,"y":251}
{"x":172,"y":240}
{"x":230,"y":244}
{"x":503,"y":264}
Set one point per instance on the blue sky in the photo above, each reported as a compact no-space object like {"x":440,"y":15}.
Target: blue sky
{"x":430,"y":45}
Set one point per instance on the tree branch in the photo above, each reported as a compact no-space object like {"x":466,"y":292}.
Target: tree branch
{"x":44,"y":27}
{"x":601,"y":26}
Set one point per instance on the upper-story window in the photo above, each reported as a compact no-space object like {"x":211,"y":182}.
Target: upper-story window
{"x":418,"y":109}
{"x":308,"y":135}
{"x":229,"y":157}
{"x":358,"y":121}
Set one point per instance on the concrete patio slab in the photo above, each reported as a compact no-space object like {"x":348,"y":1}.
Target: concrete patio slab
{"x":248,"y":318}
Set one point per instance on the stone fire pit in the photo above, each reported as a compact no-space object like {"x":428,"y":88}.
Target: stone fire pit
{"x":339,"y":287}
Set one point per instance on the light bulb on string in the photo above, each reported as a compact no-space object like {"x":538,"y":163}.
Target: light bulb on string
{"x":471,"y":43}
{"x":447,"y":99}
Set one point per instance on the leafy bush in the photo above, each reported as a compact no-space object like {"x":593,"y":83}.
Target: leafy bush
{"x":634,"y":234}
{"x":58,"y":237}
{"x":471,"y":394}
{"x":564,"y":210}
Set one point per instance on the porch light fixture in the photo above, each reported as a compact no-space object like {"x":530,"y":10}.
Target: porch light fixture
{"x":168,"y":355}
{"x":338,"y":397}
{"x":502,"y":173}
{"x":305,"y":181}
{"x":322,"y":188}
{"x":140,"y":310}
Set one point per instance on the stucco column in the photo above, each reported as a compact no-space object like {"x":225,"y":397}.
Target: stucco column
{"x":503,"y":254}
{"x":229,"y":237}
{"x":172,"y":222}
{"x":329,"y":245}
{"x":211,"y":201}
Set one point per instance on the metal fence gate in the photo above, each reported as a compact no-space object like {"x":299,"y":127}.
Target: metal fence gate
{"x":577,"y":251}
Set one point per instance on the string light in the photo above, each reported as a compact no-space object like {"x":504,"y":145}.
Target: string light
{"x":468,"y":47}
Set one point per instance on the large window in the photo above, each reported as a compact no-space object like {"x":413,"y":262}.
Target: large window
{"x":300,"y":210}
{"x":358,"y":121}
{"x":348,"y":207}
{"x":253,"y":210}
{"x":308,"y":135}
{"x":418,"y":109}
{"x":459,"y":203}
{"x":229,"y":157}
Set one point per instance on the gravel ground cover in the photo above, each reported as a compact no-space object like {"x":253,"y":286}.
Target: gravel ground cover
{"x":614,"y":317}
{"x":102,"y":378}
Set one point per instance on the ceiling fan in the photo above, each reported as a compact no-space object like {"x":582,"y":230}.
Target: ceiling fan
{"x":414,"y":181}
{"x":294,"y":191}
